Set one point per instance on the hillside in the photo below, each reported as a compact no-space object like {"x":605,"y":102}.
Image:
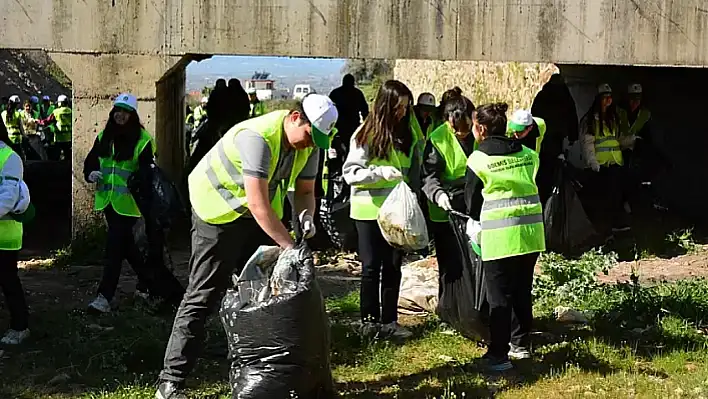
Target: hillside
{"x":27,"y":73}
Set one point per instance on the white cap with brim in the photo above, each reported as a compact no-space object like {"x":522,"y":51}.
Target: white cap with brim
{"x":634,"y":89}
{"x":322,"y":113}
{"x":126,"y":101}
{"x":604,"y":89}
{"x":426,"y":100}
{"x":520,"y":120}
{"x":250,"y":90}
{"x":15,"y":99}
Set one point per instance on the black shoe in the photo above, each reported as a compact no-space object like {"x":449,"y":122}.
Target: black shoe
{"x":497,"y":363}
{"x":169,"y":390}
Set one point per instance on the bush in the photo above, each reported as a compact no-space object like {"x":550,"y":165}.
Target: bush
{"x":571,"y":279}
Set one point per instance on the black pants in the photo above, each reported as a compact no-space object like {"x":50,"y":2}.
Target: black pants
{"x":509,"y":283}
{"x":218,"y":251}
{"x":608,"y":187}
{"x":380,"y":266}
{"x":13,"y":291}
{"x":158,"y":280}
{"x":447,"y":254}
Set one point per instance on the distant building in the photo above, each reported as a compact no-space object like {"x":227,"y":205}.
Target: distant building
{"x":265,"y":87}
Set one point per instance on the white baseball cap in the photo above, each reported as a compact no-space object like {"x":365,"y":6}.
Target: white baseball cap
{"x":634,"y":88}
{"x":604,"y":89}
{"x":46,"y":98}
{"x":61,"y":98}
{"x":15,"y":99}
{"x":322,"y":113}
{"x":126,"y":101}
{"x":426,"y":99}
{"x":520,"y":120}
{"x":250,"y":90}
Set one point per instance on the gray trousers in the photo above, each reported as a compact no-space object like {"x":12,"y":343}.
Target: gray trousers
{"x":218,"y":251}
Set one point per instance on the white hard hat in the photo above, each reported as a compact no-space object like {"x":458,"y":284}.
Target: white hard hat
{"x":15,"y":99}
{"x":520,"y":120}
{"x":250,"y":90}
{"x":62,"y":98}
{"x":126,"y":101}
{"x":604,"y":89}
{"x":634,"y":88}
{"x":322,"y":113}
{"x":426,"y":99}
{"x":204,"y":100}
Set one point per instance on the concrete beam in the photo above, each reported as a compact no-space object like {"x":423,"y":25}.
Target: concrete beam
{"x":563,"y":31}
{"x":96,"y":80}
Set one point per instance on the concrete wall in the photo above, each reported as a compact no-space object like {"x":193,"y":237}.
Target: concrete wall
{"x":563,"y":31}
{"x":483,"y":82}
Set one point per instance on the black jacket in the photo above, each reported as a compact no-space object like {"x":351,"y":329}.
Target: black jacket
{"x":492,"y":146}
{"x":434,"y":167}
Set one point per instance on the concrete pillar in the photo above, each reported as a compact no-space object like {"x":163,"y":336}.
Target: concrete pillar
{"x":96,"y":80}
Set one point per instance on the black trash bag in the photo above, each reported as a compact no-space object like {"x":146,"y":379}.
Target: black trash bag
{"x":277,"y":328}
{"x":568,"y":228}
{"x":463,"y":302}
{"x":163,"y":204}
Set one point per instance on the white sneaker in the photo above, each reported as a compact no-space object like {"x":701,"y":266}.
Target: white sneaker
{"x":395,"y":330}
{"x":100,"y":304}
{"x":14,"y":337}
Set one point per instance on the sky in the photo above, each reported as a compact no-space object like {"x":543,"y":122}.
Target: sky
{"x":244,"y":66}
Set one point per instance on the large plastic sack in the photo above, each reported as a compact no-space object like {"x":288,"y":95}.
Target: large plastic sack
{"x":401,"y":220}
{"x":140,"y":237}
{"x":463,"y":304}
{"x":419,"y":288}
{"x":568,"y":228}
{"x":277,"y":328}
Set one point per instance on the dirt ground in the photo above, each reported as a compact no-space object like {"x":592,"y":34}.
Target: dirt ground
{"x":658,"y":270}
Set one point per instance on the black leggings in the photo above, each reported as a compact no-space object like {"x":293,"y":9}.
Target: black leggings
{"x":380,"y":263}
{"x":13,"y":291}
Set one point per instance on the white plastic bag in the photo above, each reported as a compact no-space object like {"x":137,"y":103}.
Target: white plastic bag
{"x":474,"y":233}
{"x":401,"y":220}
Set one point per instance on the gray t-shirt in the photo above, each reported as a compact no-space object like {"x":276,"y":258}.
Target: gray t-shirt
{"x":256,"y":157}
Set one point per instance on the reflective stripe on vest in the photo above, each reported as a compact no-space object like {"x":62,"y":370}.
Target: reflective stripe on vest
{"x":113,"y":189}
{"x":607,"y":146}
{"x":366,"y":199}
{"x":12,"y":122}
{"x":64,"y":124}
{"x":216,"y":188}
{"x":444,"y":140}
{"x":512,"y":216}
{"x":10,"y":230}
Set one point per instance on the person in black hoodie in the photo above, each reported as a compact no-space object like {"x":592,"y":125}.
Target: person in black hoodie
{"x":502,"y":195}
{"x":123,"y":152}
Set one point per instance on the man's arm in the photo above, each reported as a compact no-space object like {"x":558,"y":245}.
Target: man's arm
{"x":363,"y":105}
{"x":259,"y":205}
{"x":305,"y":185}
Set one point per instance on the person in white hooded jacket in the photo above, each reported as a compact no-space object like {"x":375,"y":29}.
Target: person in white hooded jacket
{"x":14,"y":200}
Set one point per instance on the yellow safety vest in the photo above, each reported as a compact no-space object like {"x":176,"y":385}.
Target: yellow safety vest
{"x":216,"y":188}
{"x":366,"y":199}
{"x":607,"y":145}
{"x":63,"y":117}
{"x":643,"y":116}
{"x":511,"y":217}
{"x":10,"y":230}
{"x":199,"y":114}
{"x":113,"y":189}
{"x":12,"y":123}
{"x":444,"y":140}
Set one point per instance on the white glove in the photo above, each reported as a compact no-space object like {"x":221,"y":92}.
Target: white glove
{"x":444,"y":202}
{"x":95,"y":176}
{"x":389,"y":173}
{"x":561,"y":157}
{"x":307,"y":225}
{"x":595,"y":167}
{"x":474,"y":233}
{"x":332,"y":153}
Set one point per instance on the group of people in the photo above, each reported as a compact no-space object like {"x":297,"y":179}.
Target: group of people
{"x":38,"y":130}
{"x":455,"y":156}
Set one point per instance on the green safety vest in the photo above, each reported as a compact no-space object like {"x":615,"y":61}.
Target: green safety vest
{"x":63,"y":117}
{"x":216,"y":188}
{"x":607,"y":146}
{"x":541,"y":132}
{"x":113,"y":189}
{"x":13,"y":123}
{"x":10,"y":229}
{"x":199,"y":114}
{"x":366,"y":199}
{"x":643,"y":116}
{"x":511,"y":217}
{"x":257,"y":109}
{"x":444,"y":140}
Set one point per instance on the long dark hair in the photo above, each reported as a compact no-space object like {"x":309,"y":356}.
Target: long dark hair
{"x":609,"y":119}
{"x":382,"y":130}
{"x":459,"y":109}
{"x":4,"y":136}
{"x":121,"y":138}
{"x":493,"y":116}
